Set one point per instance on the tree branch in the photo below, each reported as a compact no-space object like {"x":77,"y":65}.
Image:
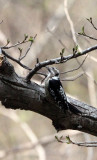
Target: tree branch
{"x":15,"y":60}
{"x":16,"y":93}
{"x":38,"y":66}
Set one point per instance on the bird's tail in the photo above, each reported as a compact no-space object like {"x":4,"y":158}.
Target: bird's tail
{"x":73,"y":109}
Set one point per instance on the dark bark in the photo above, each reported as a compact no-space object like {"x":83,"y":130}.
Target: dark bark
{"x":17,"y":93}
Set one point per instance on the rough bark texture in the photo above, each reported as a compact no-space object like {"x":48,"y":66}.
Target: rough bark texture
{"x":16,"y":93}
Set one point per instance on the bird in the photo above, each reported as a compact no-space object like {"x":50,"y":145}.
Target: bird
{"x":55,"y":91}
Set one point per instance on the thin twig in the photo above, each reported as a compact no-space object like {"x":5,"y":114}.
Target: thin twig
{"x":15,"y":60}
{"x":94,"y":26}
{"x":91,"y":22}
{"x":26,"y":51}
{"x":72,"y":70}
{"x":15,"y":45}
{"x":25,"y":40}
{"x":31,"y":42}
{"x":85,"y":35}
{"x":73,"y":78}
{"x":84,"y":144}
{"x":69,"y":141}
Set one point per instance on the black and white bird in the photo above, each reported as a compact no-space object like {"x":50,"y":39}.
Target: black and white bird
{"x":55,"y":91}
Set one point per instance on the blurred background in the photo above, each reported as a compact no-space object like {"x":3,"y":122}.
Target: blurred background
{"x":28,"y":135}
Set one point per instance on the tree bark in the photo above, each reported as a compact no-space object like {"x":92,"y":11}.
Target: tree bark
{"x":17,"y":93}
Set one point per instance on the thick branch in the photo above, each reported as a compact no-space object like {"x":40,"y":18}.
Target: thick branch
{"x":16,"y":93}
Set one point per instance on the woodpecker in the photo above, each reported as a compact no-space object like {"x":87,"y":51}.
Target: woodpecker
{"x":55,"y":91}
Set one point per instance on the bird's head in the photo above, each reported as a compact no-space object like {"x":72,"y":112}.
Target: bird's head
{"x":53,"y":72}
